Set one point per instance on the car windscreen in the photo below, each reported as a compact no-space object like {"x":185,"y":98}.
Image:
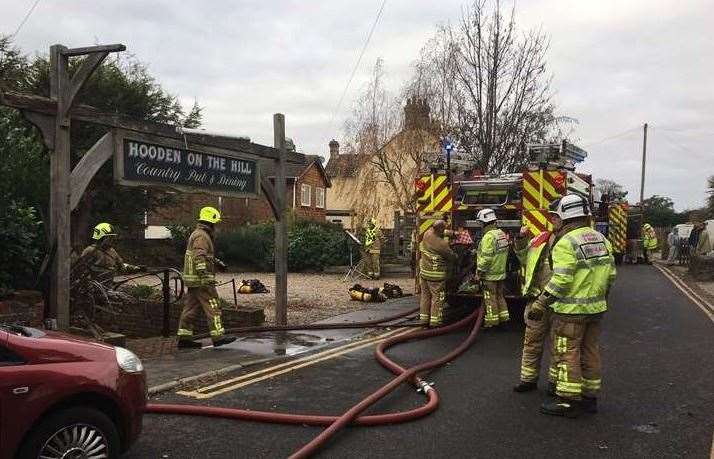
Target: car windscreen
{"x":20,"y":330}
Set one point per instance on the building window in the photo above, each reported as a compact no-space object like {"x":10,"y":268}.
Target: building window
{"x":319,"y":198}
{"x":305,"y":198}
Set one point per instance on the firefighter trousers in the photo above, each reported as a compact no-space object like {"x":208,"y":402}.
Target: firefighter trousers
{"x":533,"y":343}
{"x":198,"y":298}
{"x":575,"y":355}
{"x":431,"y":301}
{"x":373,"y":266}
{"x":495,"y":302}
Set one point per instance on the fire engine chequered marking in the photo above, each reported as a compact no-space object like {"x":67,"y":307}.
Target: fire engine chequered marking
{"x":531,"y":188}
{"x":617,"y":228}
{"x":268,"y":373}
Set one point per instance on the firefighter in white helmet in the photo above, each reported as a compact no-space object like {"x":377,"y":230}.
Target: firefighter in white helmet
{"x":491,"y":258}
{"x":583,"y":270}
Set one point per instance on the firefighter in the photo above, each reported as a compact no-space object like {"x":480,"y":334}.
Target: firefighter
{"x":491,"y":258}
{"x":372,"y":247}
{"x":534,"y":256}
{"x":199,"y":276}
{"x":102,"y":257}
{"x":435,"y":257}
{"x":583,"y":271}
{"x":649,"y":241}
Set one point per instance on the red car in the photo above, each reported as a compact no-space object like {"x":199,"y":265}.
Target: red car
{"x":63,"y":397}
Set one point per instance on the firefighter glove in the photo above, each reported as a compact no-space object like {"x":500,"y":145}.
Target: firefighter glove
{"x":537,"y":309}
{"x":219,"y":263}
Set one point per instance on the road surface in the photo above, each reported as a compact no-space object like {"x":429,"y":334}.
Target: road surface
{"x":657,"y":399}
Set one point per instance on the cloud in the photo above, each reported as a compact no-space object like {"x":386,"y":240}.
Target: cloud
{"x":616,"y":65}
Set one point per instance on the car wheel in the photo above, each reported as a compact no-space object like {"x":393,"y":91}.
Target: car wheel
{"x":74,"y":433}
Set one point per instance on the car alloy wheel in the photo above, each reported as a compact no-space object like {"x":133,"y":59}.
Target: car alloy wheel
{"x":78,"y":441}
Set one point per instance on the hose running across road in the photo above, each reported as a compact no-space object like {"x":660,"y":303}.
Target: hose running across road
{"x":352,"y":416}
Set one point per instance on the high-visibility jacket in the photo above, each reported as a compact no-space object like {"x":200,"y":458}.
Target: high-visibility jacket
{"x":198,"y":261}
{"x":583,"y":269}
{"x":492,"y":255}
{"x":372,"y":239}
{"x":649,"y":237}
{"x":435,"y":256}
{"x":534,"y":257}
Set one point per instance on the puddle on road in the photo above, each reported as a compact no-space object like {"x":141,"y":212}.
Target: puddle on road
{"x":278,"y":343}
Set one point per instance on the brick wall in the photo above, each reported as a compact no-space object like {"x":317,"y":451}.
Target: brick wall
{"x":313,"y":178}
{"x":24,"y":307}
{"x":146,"y":319}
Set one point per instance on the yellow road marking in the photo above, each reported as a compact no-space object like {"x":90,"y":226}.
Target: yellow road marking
{"x":268,"y":373}
{"x":693,"y":296}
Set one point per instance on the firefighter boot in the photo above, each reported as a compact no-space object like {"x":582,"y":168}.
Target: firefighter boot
{"x":524,"y":386}
{"x":222,"y":340}
{"x":188,"y":344}
{"x":562,"y":407}
{"x":589,"y":404}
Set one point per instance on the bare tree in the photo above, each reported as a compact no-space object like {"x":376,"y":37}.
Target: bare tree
{"x":490,"y":87}
{"x":391,"y":150}
{"x":611,"y":188}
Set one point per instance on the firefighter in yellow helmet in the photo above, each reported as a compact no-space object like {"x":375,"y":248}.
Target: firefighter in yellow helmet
{"x":583,"y":270}
{"x":491,"y":258}
{"x":199,"y":277}
{"x":435,"y":257}
{"x":102,"y":257}
{"x":373,"y":248}
{"x":649,"y":241}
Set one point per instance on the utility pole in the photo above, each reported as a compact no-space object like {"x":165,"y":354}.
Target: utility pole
{"x":281,"y":224}
{"x":642,"y":183}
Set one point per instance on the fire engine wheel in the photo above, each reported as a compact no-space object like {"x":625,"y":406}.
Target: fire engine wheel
{"x":74,"y":433}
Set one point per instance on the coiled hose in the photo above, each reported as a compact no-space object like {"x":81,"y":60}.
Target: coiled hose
{"x":335,"y":423}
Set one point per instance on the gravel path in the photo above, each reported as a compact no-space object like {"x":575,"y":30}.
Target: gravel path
{"x":311,"y":297}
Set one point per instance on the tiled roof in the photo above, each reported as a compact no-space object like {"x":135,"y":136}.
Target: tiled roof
{"x":344,"y":165}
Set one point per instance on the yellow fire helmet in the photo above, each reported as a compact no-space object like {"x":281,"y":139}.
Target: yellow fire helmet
{"x":209,"y":215}
{"x":102,"y":230}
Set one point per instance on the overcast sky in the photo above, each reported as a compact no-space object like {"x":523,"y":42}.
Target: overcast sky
{"x":616,"y":64}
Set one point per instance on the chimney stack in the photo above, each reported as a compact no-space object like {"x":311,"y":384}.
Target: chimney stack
{"x":334,"y":147}
{"x":416,"y":113}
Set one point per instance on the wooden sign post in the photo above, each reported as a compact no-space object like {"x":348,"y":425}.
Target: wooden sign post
{"x":146,"y":154}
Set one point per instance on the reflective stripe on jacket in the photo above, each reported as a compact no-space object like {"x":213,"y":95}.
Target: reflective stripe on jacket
{"x":435,"y":256}
{"x":583,"y":269}
{"x":372,"y":239}
{"x":534,"y":259}
{"x":198,"y":266}
{"x":492,"y":255}
{"x":649,"y":237}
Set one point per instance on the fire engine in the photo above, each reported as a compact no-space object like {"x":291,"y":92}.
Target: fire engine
{"x":519,"y":199}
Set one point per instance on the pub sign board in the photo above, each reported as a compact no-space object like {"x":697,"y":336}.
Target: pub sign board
{"x":155,"y":161}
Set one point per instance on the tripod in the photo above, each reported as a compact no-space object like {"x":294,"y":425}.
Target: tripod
{"x":355,"y":269}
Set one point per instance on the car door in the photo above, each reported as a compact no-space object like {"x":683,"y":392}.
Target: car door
{"x":11,"y":395}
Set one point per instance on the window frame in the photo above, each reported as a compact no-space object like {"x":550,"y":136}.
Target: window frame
{"x":303,"y":187}
{"x":317,"y":196}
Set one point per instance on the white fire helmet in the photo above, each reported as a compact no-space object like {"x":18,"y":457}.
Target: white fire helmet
{"x":486,"y":216}
{"x":570,"y":206}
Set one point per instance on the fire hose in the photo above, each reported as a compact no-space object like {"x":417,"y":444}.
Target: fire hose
{"x":352,"y":416}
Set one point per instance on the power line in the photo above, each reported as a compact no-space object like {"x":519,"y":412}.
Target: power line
{"x":354,"y":70}
{"x":612,"y":137}
{"x":24,"y":20}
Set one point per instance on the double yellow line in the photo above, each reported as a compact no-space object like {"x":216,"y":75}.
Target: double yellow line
{"x":232,"y":384}
{"x":700,"y":302}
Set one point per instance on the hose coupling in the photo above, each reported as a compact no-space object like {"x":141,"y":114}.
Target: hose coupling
{"x":425,"y":387}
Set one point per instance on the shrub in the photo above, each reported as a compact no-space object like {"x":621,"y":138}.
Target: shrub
{"x":251,"y":245}
{"x":311,"y":246}
{"x":22,"y":244}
